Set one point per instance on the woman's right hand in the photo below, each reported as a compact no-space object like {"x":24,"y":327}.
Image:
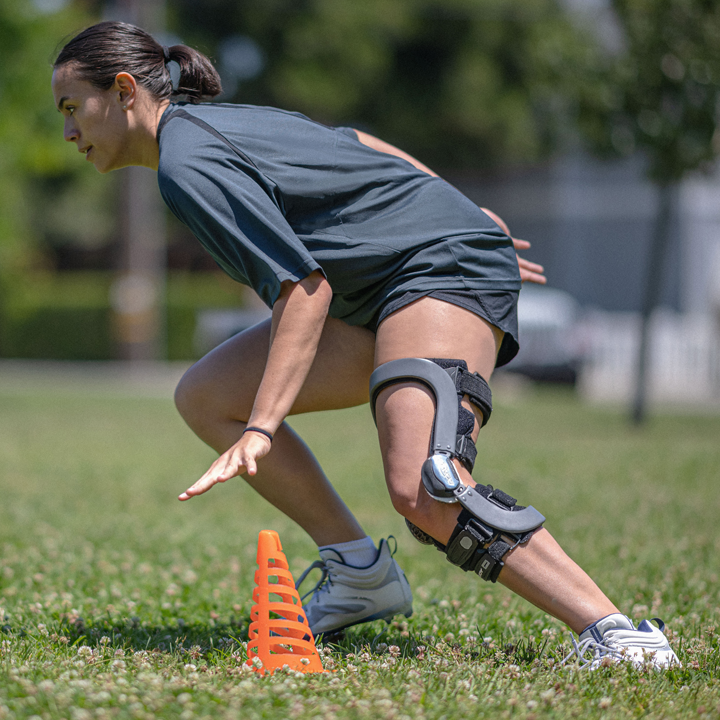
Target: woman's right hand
{"x":241,"y":458}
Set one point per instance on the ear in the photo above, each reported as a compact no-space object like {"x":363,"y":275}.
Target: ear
{"x":125,"y":89}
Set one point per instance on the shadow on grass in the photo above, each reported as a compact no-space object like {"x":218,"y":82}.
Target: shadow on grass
{"x":194,"y":639}
{"x":367,"y":639}
{"x":203,"y":640}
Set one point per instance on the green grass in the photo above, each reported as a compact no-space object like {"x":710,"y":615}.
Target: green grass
{"x":117,"y":601}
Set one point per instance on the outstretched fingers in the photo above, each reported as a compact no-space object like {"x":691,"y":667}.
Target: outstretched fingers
{"x":529,"y":271}
{"x":224,"y":468}
{"x":239,"y":459}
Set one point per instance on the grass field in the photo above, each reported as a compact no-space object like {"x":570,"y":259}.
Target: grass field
{"x":117,"y":601}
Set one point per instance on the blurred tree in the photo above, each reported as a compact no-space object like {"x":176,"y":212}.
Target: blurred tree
{"x":30,"y":130}
{"x":460,"y":83}
{"x":659,"y":94}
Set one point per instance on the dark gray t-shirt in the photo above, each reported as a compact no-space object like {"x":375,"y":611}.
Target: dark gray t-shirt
{"x":274,"y":196}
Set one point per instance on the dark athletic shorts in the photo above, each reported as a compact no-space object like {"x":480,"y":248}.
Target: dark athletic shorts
{"x":497,"y":308}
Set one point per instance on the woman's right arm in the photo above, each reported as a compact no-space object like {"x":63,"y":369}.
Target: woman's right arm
{"x":298,"y":318}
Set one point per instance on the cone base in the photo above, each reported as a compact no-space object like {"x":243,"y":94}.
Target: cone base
{"x":294,"y":662}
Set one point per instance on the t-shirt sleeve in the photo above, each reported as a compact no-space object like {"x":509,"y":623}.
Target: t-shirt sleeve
{"x":350,"y":132}
{"x":237,"y":217}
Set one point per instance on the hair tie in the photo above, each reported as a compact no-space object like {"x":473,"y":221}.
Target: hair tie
{"x":166,"y":53}
{"x":266,"y":433}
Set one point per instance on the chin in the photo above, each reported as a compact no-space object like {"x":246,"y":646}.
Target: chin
{"x":103,"y":168}
{"x":105,"y":165}
{"x":111,"y":166}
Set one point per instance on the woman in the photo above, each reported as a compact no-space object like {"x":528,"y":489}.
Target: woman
{"x":365,"y":257}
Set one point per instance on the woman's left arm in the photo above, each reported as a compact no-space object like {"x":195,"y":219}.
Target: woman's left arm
{"x":298,"y":318}
{"x":529,"y":271}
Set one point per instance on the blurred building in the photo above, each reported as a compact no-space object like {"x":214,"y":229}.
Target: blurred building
{"x":590,"y":223}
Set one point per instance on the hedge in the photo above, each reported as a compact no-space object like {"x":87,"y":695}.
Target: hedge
{"x":67,"y":316}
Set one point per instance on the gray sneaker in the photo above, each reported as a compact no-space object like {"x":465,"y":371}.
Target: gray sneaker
{"x":347,"y":595}
{"x":615,"y":639}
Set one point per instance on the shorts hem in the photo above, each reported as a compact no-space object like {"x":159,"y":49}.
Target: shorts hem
{"x":499,"y":308}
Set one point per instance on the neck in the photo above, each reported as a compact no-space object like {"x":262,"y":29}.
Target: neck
{"x":145,"y":140}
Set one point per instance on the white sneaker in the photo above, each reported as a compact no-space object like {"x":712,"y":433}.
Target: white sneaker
{"x":615,"y":639}
{"x":348,"y":595}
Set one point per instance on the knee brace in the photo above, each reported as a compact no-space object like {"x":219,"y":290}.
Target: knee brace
{"x":490,"y":523}
{"x":449,"y":381}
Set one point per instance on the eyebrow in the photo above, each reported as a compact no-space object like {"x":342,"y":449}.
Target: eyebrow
{"x":62,"y":102}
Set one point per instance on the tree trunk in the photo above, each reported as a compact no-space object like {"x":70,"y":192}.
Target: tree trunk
{"x":667,"y":196}
{"x":138,"y":293}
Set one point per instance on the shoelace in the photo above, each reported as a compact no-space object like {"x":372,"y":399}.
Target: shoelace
{"x":327,"y":576}
{"x":322,"y":584}
{"x":599,"y":651}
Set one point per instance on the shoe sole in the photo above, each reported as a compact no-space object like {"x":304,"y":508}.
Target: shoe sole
{"x":386,"y":615}
{"x":661,"y":660}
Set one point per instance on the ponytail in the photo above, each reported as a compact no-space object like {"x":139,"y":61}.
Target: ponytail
{"x":198,"y":78}
{"x":108,"y":48}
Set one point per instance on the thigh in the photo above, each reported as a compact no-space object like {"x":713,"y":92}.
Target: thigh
{"x":433,"y":328}
{"x":228,"y":377}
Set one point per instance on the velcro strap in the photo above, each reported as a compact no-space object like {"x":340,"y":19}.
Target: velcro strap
{"x":475,"y":387}
{"x":466,"y":451}
{"x":498,"y":549}
{"x":502,"y":497}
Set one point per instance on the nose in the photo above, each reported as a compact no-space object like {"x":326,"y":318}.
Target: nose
{"x":70,"y":132}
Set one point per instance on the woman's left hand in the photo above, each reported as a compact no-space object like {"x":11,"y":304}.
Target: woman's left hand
{"x":529,"y":271}
{"x":241,"y":458}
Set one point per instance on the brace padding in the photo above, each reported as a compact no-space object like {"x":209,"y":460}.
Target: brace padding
{"x":422,"y":537}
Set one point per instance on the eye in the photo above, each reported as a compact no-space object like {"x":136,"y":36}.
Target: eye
{"x":70,"y":109}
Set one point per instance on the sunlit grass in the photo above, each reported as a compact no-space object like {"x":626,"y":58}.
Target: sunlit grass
{"x":118,"y":601}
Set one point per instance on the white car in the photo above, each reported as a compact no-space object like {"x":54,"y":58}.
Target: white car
{"x":550,"y":342}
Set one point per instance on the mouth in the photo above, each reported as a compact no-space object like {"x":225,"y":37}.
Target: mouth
{"x":86,"y":151}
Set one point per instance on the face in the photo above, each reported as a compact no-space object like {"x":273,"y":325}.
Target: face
{"x":95,"y":120}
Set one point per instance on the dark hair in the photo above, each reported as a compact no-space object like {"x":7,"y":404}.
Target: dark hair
{"x":108,"y":48}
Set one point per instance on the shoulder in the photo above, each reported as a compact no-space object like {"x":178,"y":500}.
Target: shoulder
{"x":191,"y":147}
{"x":229,"y":117}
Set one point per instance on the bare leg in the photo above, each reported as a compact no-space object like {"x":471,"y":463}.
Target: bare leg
{"x":217,"y":393}
{"x":539,"y":571}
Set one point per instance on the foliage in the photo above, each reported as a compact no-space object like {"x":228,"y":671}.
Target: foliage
{"x":67,"y":316}
{"x":118,"y":601}
{"x":460,"y":83}
{"x":661,"y":91}
{"x":30,"y":130}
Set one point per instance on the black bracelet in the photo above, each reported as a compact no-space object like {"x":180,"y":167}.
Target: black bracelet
{"x":266,"y":433}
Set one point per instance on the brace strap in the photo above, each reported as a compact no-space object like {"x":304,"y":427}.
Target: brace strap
{"x":479,"y":394}
{"x":471,"y":384}
{"x":466,"y":451}
{"x":474,"y":545}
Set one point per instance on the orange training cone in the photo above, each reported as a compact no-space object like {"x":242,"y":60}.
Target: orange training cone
{"x":279,"y":631}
